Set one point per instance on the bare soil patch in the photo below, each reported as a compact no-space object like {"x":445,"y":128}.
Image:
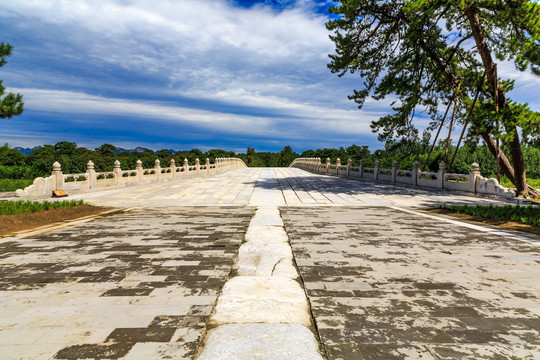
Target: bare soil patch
{"x":14,"y":223}
{"x":477,"y":219}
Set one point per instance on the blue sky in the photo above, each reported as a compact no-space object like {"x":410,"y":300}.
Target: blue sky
{"x":185,"y":74}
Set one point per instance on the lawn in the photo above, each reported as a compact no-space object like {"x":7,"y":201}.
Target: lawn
{"x":529,"y":215}
{"x":535,"y":183}
{"x":26,"y":207}
{"x":14,"y":184}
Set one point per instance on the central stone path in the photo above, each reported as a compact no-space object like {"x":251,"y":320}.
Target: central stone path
{"x":270,"y":264}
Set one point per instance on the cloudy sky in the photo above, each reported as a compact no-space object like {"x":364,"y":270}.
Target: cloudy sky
{"x":184,"y":74}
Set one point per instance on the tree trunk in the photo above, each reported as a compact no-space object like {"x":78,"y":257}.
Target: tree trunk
{"x":519,"y":178}
{"x":506,"y":167}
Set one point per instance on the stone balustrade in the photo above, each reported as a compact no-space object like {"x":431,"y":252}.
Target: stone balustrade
{"x":92,"y":180}
{"x":472,"y":183}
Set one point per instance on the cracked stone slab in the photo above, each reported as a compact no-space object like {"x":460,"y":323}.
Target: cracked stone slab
{"x":256,"y":259}
{"x":262,"y":342}
{"x":266,"y":234}
{"x":252,"y":299}
{"x":267,"y":216}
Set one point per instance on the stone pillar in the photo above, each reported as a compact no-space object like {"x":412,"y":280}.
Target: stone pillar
{"x":349,"y":164}
{"x":416,"y":166}
{"x":207,"y":163}
{"x":140,"y":171}
{"x":376,"y":170}
{"x":157,"y":169}
{"x":186,"y":166}
{"x":173,"y":168}
{"x":92,"y":177}
{"x":197,"y":166}
{"x":117,"y":173}
{"x":394,"y":170}
{"x":440,"y":175}
{"x":361,"y":169}
{"x":338,"y":165}
{"x":473,"y":176}
{"x":58,"y":176}
{"x":327,"y":165}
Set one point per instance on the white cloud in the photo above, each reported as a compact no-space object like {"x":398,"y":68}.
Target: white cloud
{"x":294,"y":115}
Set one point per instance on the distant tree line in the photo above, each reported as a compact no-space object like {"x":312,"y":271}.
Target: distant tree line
{"x":16,"y":165}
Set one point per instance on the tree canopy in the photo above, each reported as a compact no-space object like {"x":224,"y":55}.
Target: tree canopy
{"x":11,"y":104}
{"x":430,"y":54}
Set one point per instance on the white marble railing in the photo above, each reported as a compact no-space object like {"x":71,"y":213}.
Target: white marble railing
{"x":469,"y":183}
{"x":92,"y":180}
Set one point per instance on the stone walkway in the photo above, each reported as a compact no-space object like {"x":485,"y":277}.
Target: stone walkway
{"x":205,"y":266}
{"x":282,"y":186}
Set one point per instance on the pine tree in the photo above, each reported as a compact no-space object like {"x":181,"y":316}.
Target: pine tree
{"x":11,"y":104}
{"x":430,"y":53}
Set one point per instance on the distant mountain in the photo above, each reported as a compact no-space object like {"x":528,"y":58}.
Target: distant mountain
{"x":26,"y":151}
{"x":138,"y":149}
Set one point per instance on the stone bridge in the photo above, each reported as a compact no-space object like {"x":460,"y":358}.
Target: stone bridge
{"x":270,"y":263}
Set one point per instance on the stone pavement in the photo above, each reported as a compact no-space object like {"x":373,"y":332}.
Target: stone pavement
{"x":388,"y":284}
{"x":172,"y":276}
{"x":136,"y":285}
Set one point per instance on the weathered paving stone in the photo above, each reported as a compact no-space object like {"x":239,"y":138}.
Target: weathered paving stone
{"x":251,"y":299}
{"x":135,"y":285}
{"x":256,"y":259}
{"x":260,"y":341}
{"x":385,"y":284}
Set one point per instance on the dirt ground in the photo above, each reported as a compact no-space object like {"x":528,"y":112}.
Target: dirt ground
{"x":15,"y":223}
{"x":476,"y":219}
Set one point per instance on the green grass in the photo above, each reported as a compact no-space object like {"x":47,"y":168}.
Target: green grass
{"x":529,"y":215}
{"x":14,"y":184}
{"x":535,"y":183}
{"x":25,"y":207}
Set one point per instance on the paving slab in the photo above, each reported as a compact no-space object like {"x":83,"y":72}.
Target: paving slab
{"x":258,"y":299}
{"x":261,"y":342}
{"x":266,"y":234}
{"x":256,"y":259}
{"x":390,"y":284}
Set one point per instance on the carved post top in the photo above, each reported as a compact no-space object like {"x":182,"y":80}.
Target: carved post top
{"x":207,"y":161}
{"x":416,"y":165}
{"x":197,"y":162}
{"x":394,"y":164}
{"x":327,"y":161}
{"x":377,"y":163}
{"x":338,"y":161}
{"x":56,"y":166}
{"x":173,"y":162}
{"x":89,"y":165}
{"x":442,"y":166}
{"x":117,"y":164}
{"x":139,"y":163}
{"x":185,"y":162}
{"x":349,"y":162}
{"x":157,"y":163}
{"x":475,"y":168}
